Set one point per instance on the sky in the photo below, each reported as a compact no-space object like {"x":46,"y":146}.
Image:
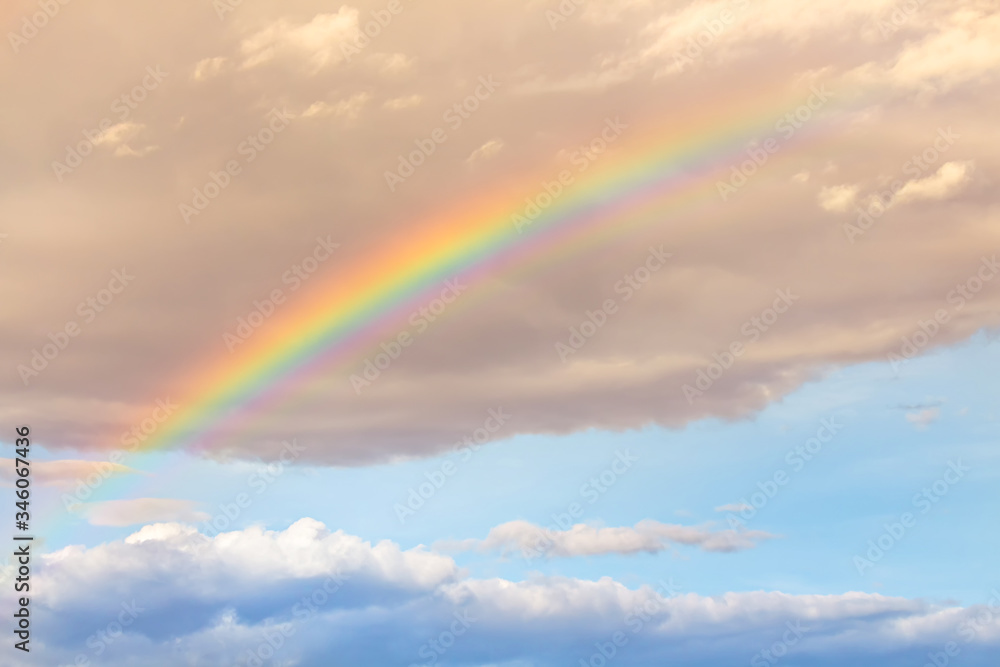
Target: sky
{"x":514,"y":333}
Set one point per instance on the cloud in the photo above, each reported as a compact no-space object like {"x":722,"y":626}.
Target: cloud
{"x":837,"y":198}
{"x":610,"y":11}
{"x":141,"y":510}
{"x":234,"y":566}
{"x":208,"y":68}
{"x":65,"y":473}
{"x":127,"y":151}
{"x":392,"y":63}
{"x":498,"y":348}
{"x":403,"y":102}
{"x":119,"y":134}
{"x":349,"y":108}
{"x":944,"y":183}
{"x":924,"y":418}
{"x":316,"y":42}
{"x":217,"y":600}
{"x":118,"y":137}
{"x":927,"y":403}
{"x":734,"y":507}
{"x":522,"y":537}
{"x":486,"y":151}
{"x":703,"y":34}
{"x":964,"y":48}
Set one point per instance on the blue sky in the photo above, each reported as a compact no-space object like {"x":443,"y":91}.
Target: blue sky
{"x":830,"y":507}
{"x":889,"y":448}
{"x":725,"y":400}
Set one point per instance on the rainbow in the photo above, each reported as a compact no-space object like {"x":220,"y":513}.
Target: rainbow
{"x":648,"y":175}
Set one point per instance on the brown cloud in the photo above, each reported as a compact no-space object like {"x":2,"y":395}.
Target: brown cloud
{"x":323,"y":175}
{"x":65,"y":473}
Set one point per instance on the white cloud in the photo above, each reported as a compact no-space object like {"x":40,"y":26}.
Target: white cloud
{"x":837,"y":198}
{"x":118,"y":137}
{"x":923,"y":418}
{"x":328,"y":593}
{"x":397,"y":103}
{"x":119,"y":133}
{"x":208,"y":68}
{"x":700,"y":33}
{"x":944,"y":183}
{"x":304,"y":550}
{"x":127,"y":151}
{"x":317,"y":42}
{"x":523,"y":537}
{"x":486,"y":151}
{"x":965,"y":47}
{"x":349,"y":108}
{"x":391,"y":63}
{"x":734,"y":507}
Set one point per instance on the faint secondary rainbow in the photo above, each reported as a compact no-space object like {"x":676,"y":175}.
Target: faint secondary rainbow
{"x":649,"y":174}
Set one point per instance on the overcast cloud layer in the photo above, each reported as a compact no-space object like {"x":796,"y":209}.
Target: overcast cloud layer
{"x":922,"y":88}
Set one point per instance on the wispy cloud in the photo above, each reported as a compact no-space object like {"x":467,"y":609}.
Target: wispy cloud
{"x":647,"y":536}
{"x":65,"y":473}
{"x":139,"y":511}
{"x":924,"y":418}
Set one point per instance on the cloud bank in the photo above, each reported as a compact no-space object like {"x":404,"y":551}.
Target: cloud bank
{"x":912,"y":98}
{"x":305,"y":593}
